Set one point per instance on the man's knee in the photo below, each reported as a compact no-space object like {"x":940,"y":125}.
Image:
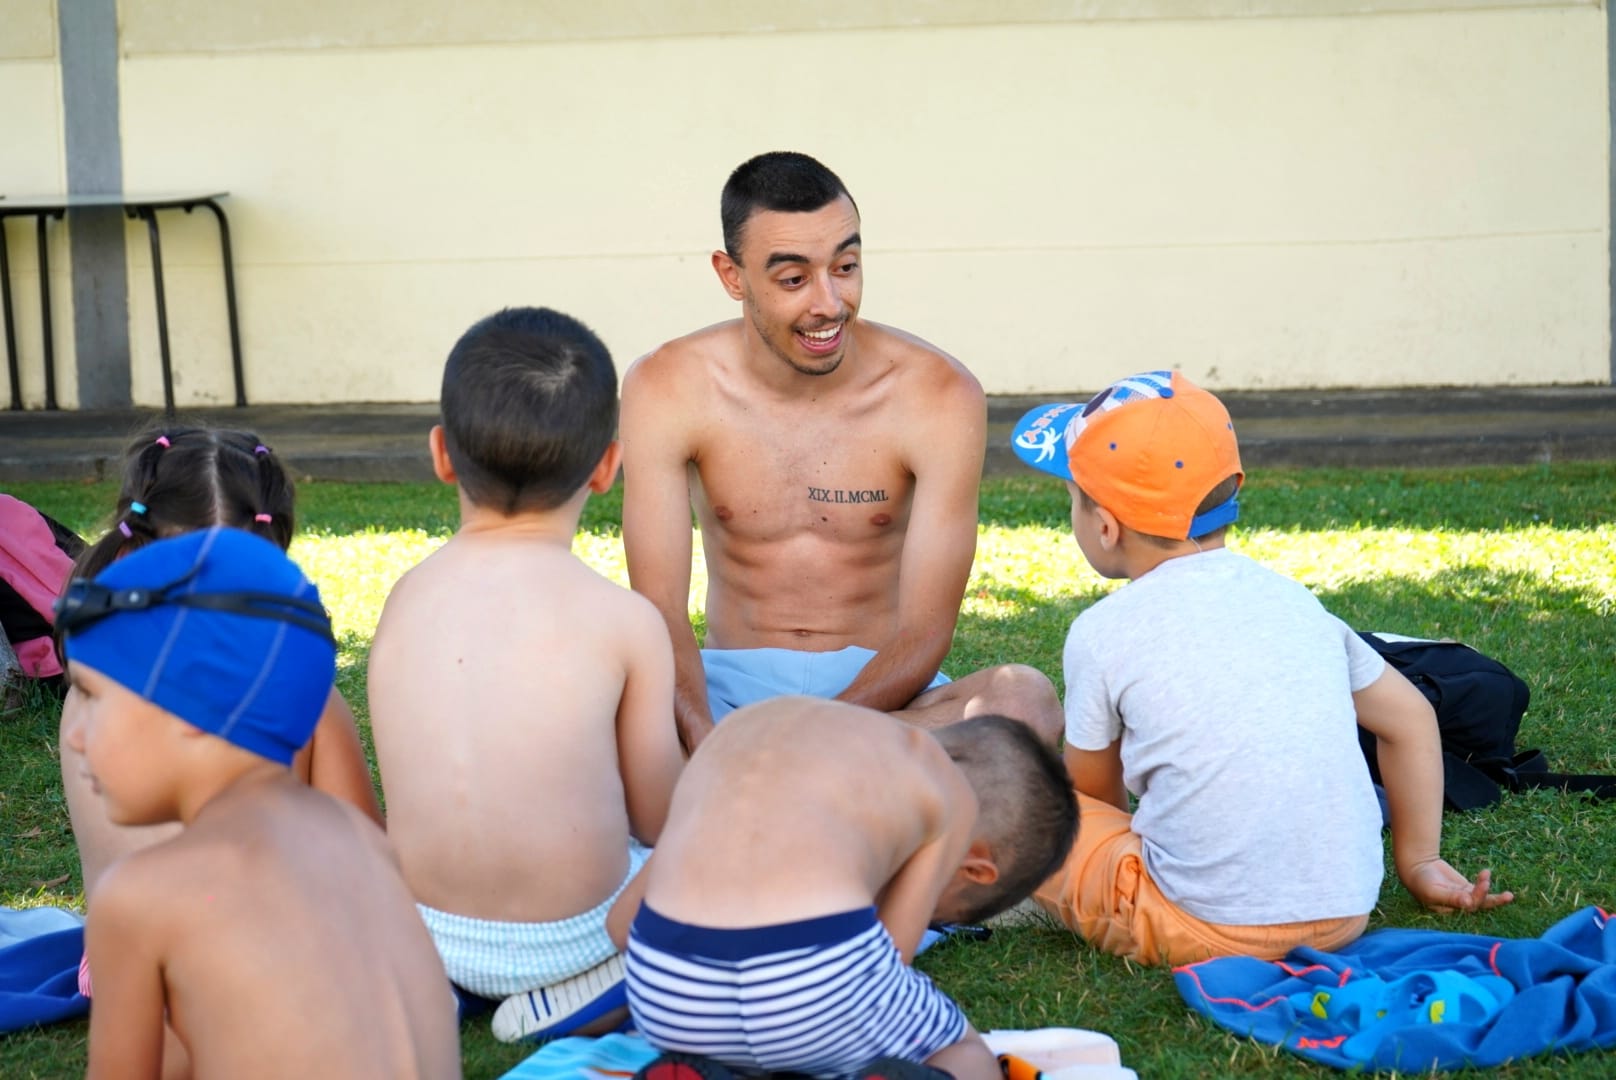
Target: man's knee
{"x":1023,"y":693}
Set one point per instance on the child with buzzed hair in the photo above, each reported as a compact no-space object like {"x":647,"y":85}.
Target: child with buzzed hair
{"x":522,"y":704}
{"x":274,"y":932}
{"x":810,"y":844}
{"x":1223,"y":695}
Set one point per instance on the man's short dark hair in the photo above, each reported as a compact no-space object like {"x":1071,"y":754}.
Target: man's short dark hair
{"x":1027,"y":808}
{"x":529,"y":405}
{"x":782,"y":181}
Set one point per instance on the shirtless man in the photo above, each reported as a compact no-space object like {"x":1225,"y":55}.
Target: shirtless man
{"x":833,"y":466}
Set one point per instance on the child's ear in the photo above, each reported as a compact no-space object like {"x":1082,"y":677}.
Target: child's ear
{"x":441,"y":464}
{"x":605,"y":474}
{"x":729,"y":274}
{"x":1110,"y":529}
{"x":979,"y":866}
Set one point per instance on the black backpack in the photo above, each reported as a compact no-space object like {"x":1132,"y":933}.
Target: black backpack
{"x":1479,"y":704}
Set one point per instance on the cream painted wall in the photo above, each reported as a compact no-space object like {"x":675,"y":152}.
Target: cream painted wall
{"x":31,"y":162}
{"x":177,"y":26}
{"x":28,"y":30}
{"x":1407,"y":196}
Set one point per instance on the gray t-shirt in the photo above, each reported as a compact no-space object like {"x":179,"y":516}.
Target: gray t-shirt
{"x":1231,"y":688}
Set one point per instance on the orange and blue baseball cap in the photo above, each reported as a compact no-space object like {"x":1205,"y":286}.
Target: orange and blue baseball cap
{"x":216,"y":626}
{"x":1148,"y":448}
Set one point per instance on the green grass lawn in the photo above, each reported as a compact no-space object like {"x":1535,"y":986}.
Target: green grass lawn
{"x":1518,"y":562}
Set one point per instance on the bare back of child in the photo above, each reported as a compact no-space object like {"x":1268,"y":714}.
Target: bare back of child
{"x":522,"y":704}
{"x":818,"y":814}
{"x":806,"y":832}
{"x":350,"y":986}
{"x":274,"y":933}
{"x":516,"y":695}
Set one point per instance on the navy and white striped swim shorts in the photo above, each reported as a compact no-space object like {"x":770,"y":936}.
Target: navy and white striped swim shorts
{"x":823,"y":996}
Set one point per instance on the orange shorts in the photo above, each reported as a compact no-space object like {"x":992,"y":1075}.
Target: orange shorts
{"x":1104,"y":893}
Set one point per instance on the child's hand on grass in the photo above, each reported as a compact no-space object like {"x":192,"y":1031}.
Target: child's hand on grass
{"x":1440,"y":887}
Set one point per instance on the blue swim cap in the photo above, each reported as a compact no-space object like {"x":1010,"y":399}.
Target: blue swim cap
{"x":219,"y":628}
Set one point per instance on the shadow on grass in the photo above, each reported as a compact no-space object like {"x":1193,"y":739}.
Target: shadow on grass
{"x":1561,"y":641}
{"x":323,"y":508}
{"x":1024,"y":628}
{"x":343,"y":509}
{"x":38,"y":862}
{"x":1569,"y":495}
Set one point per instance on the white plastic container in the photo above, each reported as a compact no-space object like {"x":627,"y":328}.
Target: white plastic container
{"x":1063,"y":1053}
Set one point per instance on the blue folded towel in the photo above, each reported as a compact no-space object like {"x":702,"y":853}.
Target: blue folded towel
{"x":40,"y":949}
{"x":1418,"y":1000}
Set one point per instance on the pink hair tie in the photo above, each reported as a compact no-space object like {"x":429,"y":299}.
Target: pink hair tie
{"x":123,"y":527}
{"x":260,"y":449}
{"x":162,"y":440}
{"x":265,"y":518}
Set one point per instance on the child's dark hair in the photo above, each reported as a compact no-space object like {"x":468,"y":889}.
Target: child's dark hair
{"x":177,"y":479}
{"x":1027,"y":808}
{"x":529,"y":406}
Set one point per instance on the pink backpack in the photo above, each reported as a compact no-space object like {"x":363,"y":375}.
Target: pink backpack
{"x":36,"y":558}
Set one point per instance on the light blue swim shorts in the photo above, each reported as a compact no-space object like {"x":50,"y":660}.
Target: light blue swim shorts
{"x":737,"y":677}
{"x":497,"y":959}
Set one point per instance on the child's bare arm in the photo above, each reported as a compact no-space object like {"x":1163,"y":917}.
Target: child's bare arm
{"x":909,"y":901}
{"x":126,"y":1025}
{"x":1409,"y":749}
{"x":1098,"y":773}
{"x":648,"y":753}
{"x":337,"y":764}
{"x":970,"y":1058}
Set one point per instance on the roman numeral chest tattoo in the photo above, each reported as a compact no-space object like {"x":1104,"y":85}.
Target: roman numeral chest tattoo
{"x":850,"y":496}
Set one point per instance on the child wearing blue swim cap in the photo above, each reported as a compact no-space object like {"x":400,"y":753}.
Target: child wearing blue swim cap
{"x":275,"y":927}
{"x":178,"y":478}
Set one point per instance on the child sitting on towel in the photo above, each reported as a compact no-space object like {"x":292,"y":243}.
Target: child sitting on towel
{"x":809,"y":845}
{"x":522,"y":704}
{"x":274,"y":931}
{"x":1224,"y":696}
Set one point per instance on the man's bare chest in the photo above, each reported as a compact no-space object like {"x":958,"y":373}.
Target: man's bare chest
{"x":819,"y":478}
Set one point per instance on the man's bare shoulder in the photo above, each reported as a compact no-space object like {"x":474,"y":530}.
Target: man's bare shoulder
{"x":682,"y":362}
{"x":938,"y":378}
